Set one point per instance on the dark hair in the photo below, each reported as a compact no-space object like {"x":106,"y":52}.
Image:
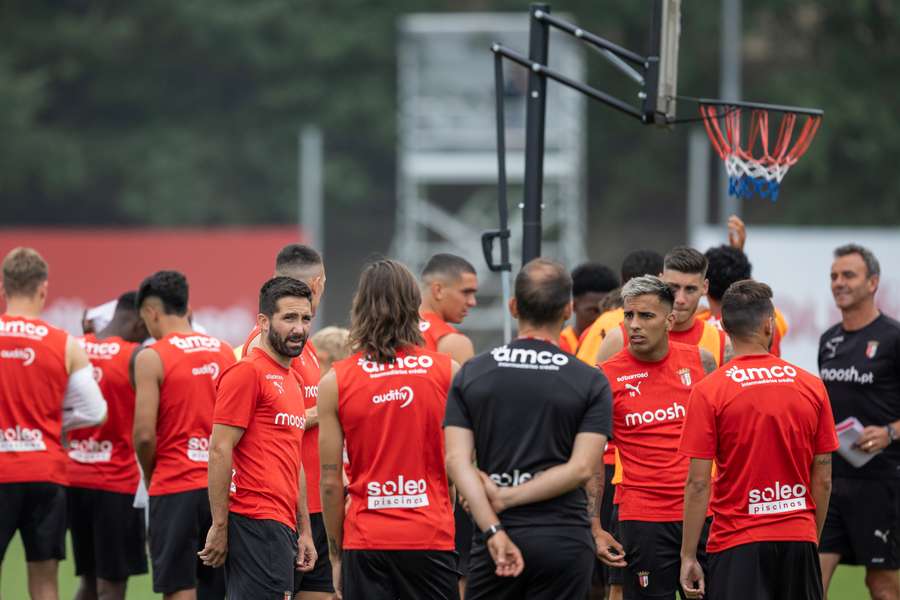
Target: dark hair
{"x":726,"y":265}
{"x":448,"y":265}
{"x":127,"y":302}
{"x":593,"y":277}
{"x":685,"y":259}
{"x":24,"y":270}
{"x":297,"y":256}
{"x":641,"y":262}
{"x":543,"y":290}
{"x":745,"y":304}
{"x":612,"y":301}
{"x":872,"y":266}
{"x":171,"y":287}
{"x":648,"y":284}
{"x":281,"y":287}
{"x":384,"y":316}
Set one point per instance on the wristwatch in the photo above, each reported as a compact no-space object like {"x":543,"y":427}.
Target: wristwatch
{"x":491,"y":531}
{"x":892,"y":433}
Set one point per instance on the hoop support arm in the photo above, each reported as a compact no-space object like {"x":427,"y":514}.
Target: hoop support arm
{"x":594,"y":40}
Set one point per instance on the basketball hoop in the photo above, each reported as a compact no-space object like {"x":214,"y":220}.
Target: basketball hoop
{"x":755,"y":167}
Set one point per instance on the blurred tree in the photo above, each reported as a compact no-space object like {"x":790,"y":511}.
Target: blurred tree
{"x":186,"y":111}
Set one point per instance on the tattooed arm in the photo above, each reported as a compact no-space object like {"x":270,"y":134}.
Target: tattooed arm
{"x":708,"y":361}
{"x":331,"y":444}
{"x":609,"y":550}
{"x":820,"y":487}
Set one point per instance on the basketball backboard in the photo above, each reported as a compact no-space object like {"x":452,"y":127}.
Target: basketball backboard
{"x":662,"y":76}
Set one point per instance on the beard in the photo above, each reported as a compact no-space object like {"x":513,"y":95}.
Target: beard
{"x":280,"y":344}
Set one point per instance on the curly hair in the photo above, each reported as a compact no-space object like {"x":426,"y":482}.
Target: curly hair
{"x":726,"y":265}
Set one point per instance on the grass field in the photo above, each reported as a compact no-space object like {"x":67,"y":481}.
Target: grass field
{"x":847,"y":584}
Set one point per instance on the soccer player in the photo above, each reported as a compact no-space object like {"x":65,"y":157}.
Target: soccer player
{"x":449,"y":285}
{"x":591,"y":282}
{"x":684,"y":270}
{"x":651,"y":381}
{"x":768,"y":426}
{"x":46,"y":387}
{"x":859,"y":361}
{"x":103,"y":472}
{"x":305,"y":264}
{"x":332,"y":344}
{"x":387,"y":402}
{"x":255,"y":454}
{"x":175,"y":387}
{"x":538,"y":420}
{"x":636,"y":264}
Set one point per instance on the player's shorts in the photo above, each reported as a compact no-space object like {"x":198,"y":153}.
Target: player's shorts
{"x":653,"y":552}
{"x":38,"y":511}
{"x":261,"y":559}
{"x":178,"y":527}
{"x":863,"y":522}
{"x":559,"y":562}
{"x":399,"y":574}
{"x":765,"y":571}
{"x":464,"y":531}
{"x":108,"y":534}
{"x":319,"y":579}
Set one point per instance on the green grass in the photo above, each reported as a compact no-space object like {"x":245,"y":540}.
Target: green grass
{"x":847,"y":583}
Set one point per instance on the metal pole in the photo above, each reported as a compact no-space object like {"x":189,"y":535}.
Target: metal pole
{"x":730,"y":89}
{"x":698,"y":181}
{"x":534,"y":137}
{"x":312,"y":226}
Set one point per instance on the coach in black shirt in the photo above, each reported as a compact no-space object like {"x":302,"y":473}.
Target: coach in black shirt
{"x":859,"y":361}
{"x":537,"y":419}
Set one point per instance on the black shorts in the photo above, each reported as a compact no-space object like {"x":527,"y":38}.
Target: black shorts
{"x":863,"y":522}
{"x":108,"y":534}
{"x":465,"y":528}
{"x":399,"y":574}
{"x":38,"y":511}
{"x":178,"y":527}
{"x":319,"y":579}
{"x":615,"y":575}
{"x":559,"y":562}
{"x":262,"y":556}
{"x":765,"y":571}
{"x":601,"y":571}
{"x":653,"y":553}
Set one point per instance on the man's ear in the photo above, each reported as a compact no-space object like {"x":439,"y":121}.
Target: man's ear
{"x":670,"y":321}
{"x":262,"y":321}
{"x":437,"y":289}
{"x":567,"y":312}
{"x":513,"y":308}
{"x":705,"y":286}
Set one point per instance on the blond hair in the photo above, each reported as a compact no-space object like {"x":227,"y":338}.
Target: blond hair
{"x":24,"y":270}
{"x":334,"y":341}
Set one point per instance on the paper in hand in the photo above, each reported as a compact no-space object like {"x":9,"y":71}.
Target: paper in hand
{"x":849,"y":431}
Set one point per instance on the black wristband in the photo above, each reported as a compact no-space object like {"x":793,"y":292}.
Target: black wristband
{"x":491,"y":531}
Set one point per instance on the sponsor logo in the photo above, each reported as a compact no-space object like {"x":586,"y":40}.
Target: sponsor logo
{"x":198,"y":449}
{"x":871,"y":349}
{"x":761,"y":375}
{"x":310,"y":391}
{"x":26,"y":355}
{"x":277,"y":382}
{"x":402,"y":365}
{"x":779,"y":498}
{"x":22,"y":439}
{"x":643,"y":375}
{"x":402,"y":493}
{"x":23,"y":329}
{"x":404,"y":395}
{"x":685,"y":376}
{"x":424,"y":326}
{"x":100,"y":350}
{"x":528,"y":358}
{"x":832,"y":345}
{"x":643,"y":578}
{"x":882,"y":535}
{"x":283,"y":418}
{"x":669,"y":413}
{"x":510,"y":480}
{"x":90,"y":451}
{"x":634,"y":389}
{"x":847,"y":375}
{"x":211,"y":369}
{"x":195,"y":343}
{"x":232,"y":487}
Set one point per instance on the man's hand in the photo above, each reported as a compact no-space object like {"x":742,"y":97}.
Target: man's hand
{"x":213,"y":554}
{"x":692,"y":581}
{"x":874,"y":439}
{"x":494,"y":493}
{"x":336,"y":577}
{"x":306,"y":553}
{"x":737,"y":232}
{"x":609,"y":550}
{"x":506,"y":555}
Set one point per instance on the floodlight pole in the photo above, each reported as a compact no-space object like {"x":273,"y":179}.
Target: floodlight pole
{"x":535,"y":117}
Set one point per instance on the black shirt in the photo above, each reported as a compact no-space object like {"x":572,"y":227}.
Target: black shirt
{"x":526,"y":402}
{"x":861,"y":371}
